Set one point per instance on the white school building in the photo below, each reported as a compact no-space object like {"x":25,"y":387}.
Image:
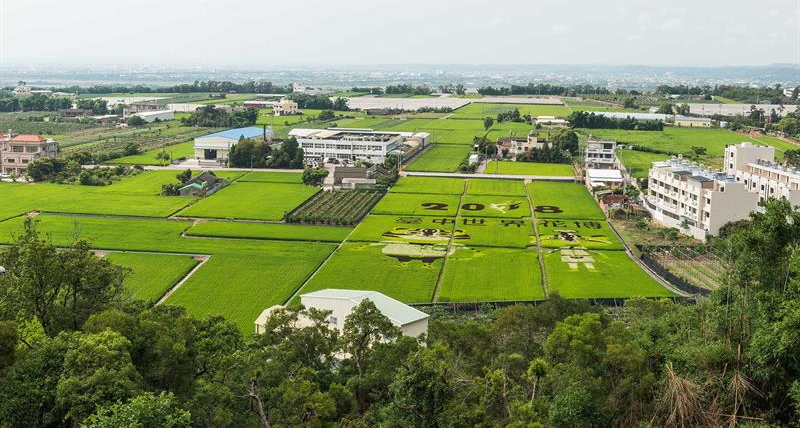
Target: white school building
{"x":350,"y":144}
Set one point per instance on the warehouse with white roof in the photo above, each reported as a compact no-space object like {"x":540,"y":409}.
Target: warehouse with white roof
{"x":340,"y":302}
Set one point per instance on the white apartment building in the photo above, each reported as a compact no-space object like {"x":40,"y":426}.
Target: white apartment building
{"x":600,"y":154}
{"x":685,"y":194}
{"x":755,"y":167}
{"x":350,"y":144}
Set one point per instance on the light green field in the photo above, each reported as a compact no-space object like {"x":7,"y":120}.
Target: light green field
{"x":529,"y":168}
{"x":638,"y":163}
{"x":251,"y":201}
{"x":416,"y":229}
{"x":440,"y":158}
{"x":563,"y":201}
{"x":241,"y":279}
{"x":273,"y":231}
{"x":365,"y":266}
{"x":495,"y":232}
{"x":152,"y":275}
{"x":135,"y":196}
{"x":430,"y":185}
{"x":481,"y":110}
{"x":599,"y":274}
{"x":417,"y":204}
{"x":491,"y":274}
{"x":241,"y":283}
{"x":495,"y":206}
{"x":496,"y":187}
{"x":175,"y":151}
{"x":273,"y":177}
{"x":557,"y":233}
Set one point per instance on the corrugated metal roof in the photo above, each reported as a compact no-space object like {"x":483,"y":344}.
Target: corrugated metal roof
{"x":235,"y":134}
{"x":396,"y":311}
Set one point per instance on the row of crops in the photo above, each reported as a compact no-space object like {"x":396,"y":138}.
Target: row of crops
{"x":336,"y":207}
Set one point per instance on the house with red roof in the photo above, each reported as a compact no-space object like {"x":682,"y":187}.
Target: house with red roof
{"x":17,"y":151}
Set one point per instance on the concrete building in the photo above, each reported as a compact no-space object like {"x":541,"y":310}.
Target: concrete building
{"x":284,"y":107}
{"x":340,"y":303}
{"x":152,"y":116}
{"x":600,"y":154}
{"x":692,"y":122}
{"x":755,"y":167}
{"x":550,"y":121}
{"x":142,"y":107}
{"x":685,"y":194}
{"x":17,"y":151}
{"x":214,"y":148}
{"x":596,"y":178}
{"x":350,"y":144}
{"x":258,"y":104}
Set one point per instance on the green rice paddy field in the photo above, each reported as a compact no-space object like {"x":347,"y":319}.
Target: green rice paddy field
{"x":529,"y":168}
{"x":429,"y":239}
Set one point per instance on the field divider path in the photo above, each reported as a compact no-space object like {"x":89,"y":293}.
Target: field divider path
{"x":174,"y":288}
{"x":540,"y":255}
{"x":439,"y":278}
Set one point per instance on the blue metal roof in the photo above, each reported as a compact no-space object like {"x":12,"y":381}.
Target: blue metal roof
{"x":235,"y":134}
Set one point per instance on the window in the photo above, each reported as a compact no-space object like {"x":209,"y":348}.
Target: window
{"x":24,"y":161}
{"x":17,"y":149}
{"x":333,"y":320}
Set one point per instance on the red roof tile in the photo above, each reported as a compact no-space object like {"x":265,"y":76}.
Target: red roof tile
{"x":27,"y":138}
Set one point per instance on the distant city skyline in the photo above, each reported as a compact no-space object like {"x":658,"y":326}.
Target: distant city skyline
{"x":238,"y":33}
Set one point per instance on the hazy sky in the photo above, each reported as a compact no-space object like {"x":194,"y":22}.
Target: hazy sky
{"x":344,"y":32}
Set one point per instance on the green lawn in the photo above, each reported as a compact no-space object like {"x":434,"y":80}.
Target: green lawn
{"x":274,"y":231}
{"x":598,"y":274}
{"x":563,"y":201}
{"x":491,"y":274}
{"x":440,"y":158}
{"x":638,"y":163}
{"x":557,"y":233}
{"x":175,"y":151}
{"x":251,"y":201}
{"x":529,"y":168}
{"x":431,"y":185}
{"x":371,"y":266}
{"x":152,"y":275}
{"x":496,"y":187}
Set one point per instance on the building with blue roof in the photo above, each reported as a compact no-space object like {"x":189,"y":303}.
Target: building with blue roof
{"x":216,"y":147}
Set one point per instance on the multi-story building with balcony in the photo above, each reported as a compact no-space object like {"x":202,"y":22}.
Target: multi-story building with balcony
{"x":600,"y":154}
{"x":18,"y":151}
{"x":755,"y":167}
{"x":696,"y":200}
